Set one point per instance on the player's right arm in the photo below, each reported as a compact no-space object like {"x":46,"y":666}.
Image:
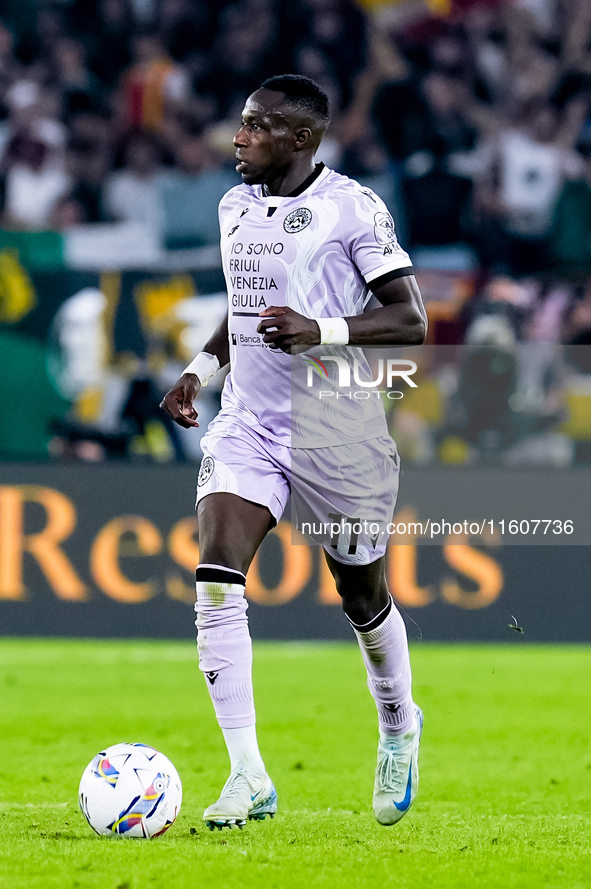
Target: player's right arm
{"x":178,"y":402}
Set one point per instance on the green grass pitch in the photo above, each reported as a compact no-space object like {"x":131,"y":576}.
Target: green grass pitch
{"x":505,"y":768}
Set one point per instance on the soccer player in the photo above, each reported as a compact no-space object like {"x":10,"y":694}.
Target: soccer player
{"x":303,"y":249}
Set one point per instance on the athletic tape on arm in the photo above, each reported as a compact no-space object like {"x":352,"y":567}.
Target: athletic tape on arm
{"x":204,"y":366}
{"x":333,"y":331}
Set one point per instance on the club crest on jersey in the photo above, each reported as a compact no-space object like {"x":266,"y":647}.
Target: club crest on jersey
{"x":384,"y":229}
{"x":297,"y":220}
{"x":205,"y":470}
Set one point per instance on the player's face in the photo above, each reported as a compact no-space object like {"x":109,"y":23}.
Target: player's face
{"x":265,"y":141}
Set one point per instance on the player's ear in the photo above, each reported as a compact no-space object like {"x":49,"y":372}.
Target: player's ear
{"x":303,"y":138}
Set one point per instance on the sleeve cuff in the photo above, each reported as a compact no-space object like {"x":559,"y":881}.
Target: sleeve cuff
{"x":402,"y":266}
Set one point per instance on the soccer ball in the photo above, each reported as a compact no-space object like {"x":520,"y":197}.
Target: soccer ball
{"x":130,"y":790}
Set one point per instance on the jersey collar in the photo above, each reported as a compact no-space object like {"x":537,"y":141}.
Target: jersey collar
{"x":275,"y":200}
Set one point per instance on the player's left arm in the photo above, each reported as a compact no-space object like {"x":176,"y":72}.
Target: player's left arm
{"x":400,"y":320}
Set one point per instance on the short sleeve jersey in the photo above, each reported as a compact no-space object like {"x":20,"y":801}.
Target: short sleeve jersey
{"x":316,"y":252}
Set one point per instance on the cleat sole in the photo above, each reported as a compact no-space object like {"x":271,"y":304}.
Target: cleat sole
{"x":260,"y":816}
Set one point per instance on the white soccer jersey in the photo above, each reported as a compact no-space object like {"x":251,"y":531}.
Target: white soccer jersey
{"x":315,"y":252}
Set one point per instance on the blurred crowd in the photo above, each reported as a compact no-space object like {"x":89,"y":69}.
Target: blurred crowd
{"x":125,"y":109}
{"x":475,"y":123}
{"x":470,"y":118}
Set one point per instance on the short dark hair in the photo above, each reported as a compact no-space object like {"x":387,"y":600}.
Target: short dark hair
{"x":301,"y":92}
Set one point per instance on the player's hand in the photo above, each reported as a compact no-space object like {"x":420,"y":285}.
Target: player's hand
{"x":178,"y":403}
{"x":283,"y":328}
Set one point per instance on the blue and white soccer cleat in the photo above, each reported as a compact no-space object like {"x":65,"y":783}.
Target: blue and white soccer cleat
{"x":244,"y":796}
{"x":397,"y":773}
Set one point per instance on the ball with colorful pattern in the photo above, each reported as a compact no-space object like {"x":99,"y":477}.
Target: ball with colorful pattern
{"x":130,"y":790}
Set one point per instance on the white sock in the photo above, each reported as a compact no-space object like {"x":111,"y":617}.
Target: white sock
{"x":243,"y":748}
{"x":385,"y":652}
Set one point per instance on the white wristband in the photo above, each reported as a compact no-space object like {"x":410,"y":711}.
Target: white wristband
{"x":204,"y":366}
{"x":333,"y":331}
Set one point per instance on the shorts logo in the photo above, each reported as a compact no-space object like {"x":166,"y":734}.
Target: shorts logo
{"x":384,"y":229}
{"x":205,"y":471}
{"x":297,"y":220}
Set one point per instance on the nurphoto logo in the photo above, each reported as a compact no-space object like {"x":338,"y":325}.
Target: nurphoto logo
{"x":350,"y":372}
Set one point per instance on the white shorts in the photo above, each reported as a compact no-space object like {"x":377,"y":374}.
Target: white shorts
{"x":342,"y":497}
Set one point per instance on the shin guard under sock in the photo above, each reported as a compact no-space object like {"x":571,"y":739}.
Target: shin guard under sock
{"x":224,"y":644}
